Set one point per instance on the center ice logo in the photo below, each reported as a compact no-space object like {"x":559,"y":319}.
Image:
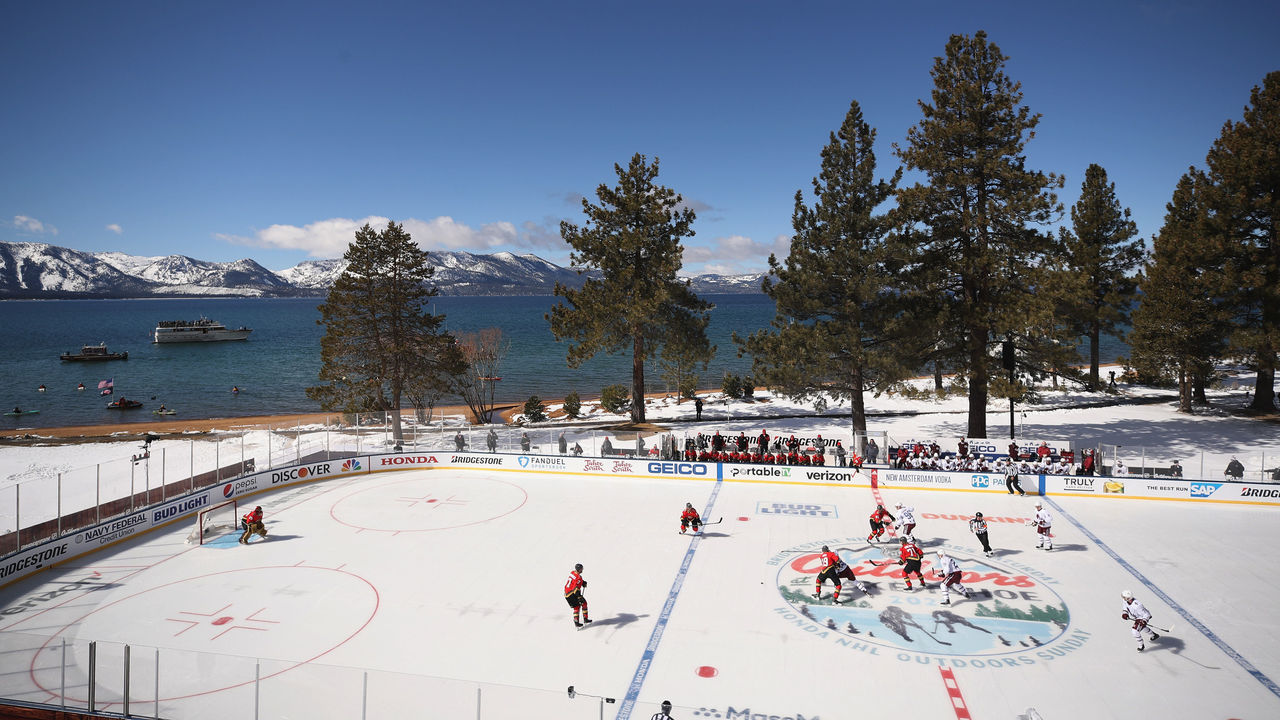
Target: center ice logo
{"x":1011,"y":611}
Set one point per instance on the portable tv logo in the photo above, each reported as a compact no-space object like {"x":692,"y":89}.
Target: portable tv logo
{"x":351,"y":465}
{"x":1204,"y":490}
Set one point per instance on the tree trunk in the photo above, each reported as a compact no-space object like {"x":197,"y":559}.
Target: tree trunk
{"x":1184,"y":391}
{"x":937,"y":376}
{"x":978,"y":379}
{"x":1264,"y":391}
{"x":1197,"y":388}
{"x":858,"y":414}
{"x":396,"y":432}
{"x":637,"y":378}
{"x":1094,"y":381}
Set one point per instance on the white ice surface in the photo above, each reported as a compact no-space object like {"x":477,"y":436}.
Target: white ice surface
{"x":459,"y":574}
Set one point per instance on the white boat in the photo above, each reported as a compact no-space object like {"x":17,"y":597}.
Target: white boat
{"x":202,"y":330}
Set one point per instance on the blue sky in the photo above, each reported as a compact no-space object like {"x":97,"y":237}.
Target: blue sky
{"x":273,"y":130}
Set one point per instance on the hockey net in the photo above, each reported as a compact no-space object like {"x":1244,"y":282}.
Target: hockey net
{"x":214,"y":521}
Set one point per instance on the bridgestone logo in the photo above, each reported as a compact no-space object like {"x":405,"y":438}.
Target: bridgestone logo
{"x":37,"y":559}
{"x":467,"y":459}
{"x":1259,"y":492}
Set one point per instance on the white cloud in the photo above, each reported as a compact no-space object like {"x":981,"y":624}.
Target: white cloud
{"x":115,"y":228}
{"x":330,"y":238}
{"x":32,"y":225}
{"x":734,"y":255}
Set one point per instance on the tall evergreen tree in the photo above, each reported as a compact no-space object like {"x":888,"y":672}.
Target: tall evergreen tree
{"x":973,"y":260}
{"x":1101,"y":254}
{"x":633,"y":238}
{"x":1179,"y":326}
{"x":1244,"y":199}
{"x":380,"y":341}
{"x":830,"y":335}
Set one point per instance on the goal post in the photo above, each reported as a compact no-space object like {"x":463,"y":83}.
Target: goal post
{"x":213,"y":521}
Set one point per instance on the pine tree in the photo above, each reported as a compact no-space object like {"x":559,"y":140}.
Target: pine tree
{"x":632,"y":237}
{"x":380,"y":343}
{"x":972,"y":262}
{"x":1179,"y":326}
{"x":1102,"y":254}
{"x":829,"y":336}
{"x":1244,"y":200}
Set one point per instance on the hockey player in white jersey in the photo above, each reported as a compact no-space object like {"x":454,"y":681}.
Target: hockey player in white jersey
{"x":1140,"y":615}
{"x":1043,"y":524}
{"x":949,"y":569}
{"x":906,"y":522}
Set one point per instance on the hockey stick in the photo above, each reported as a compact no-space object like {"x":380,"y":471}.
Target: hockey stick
{"x":717,"y":522}
{"x":1163,"y":630}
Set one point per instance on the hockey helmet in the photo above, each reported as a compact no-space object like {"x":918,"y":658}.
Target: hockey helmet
{"x":898,"y":505}
{"x":689,"y":505}
{"x":977,"y":515}
{"x":258,"y":508}
{"x":1126,"y":595}
{"x":1039,"y":504}
{"x":879,"y":507}
{"x":903,"y":539}
{"x":826,"y":549}
{"x":578,"y":567}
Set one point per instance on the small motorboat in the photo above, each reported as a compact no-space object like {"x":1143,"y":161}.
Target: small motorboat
{"x":92,"y":353}
{"x":123,"y":404}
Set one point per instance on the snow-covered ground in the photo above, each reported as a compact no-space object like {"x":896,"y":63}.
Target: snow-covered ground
{"x":439,"y":591}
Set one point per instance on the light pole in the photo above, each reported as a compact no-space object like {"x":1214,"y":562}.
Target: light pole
{"x":574,"y":693}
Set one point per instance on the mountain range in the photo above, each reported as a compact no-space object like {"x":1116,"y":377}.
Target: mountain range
{"x":40,"y":270}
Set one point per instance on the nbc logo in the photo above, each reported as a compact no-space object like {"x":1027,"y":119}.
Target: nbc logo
{"x":350,"y":465}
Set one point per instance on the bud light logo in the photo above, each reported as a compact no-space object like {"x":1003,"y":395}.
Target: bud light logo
{"x":1204,"y":490}
{"x":980,"y":481}
{"x":351,"y":465}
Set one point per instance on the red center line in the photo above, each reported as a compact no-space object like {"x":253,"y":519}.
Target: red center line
{"x":953,"y":690}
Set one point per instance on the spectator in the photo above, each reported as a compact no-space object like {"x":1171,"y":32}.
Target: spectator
{"x":459,"y":441}
{"x":1175,"y":469}
{"x":606,"y":447}
{"x":524,"y":442}
{"x":492,"y":440}
{"x":697,"y":408}
{"x":1013,"y":451}
{"x":1234,"y":469}
{"x":873,"y":450}
{"x":577,"y":449}
{"x":840,"y":454}
{"x":962,"y":448}
{"x":1119,"y":470}
{"x":564,"y":444}
{"x":1043,"y":452}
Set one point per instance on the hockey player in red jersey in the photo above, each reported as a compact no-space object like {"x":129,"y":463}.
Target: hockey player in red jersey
{"x":690,"y":518}
{"x":253,"y":524}
{"x":880,"y":519}
{"x":573,"y":588}
{"x":835,"y":569}
{"x":909,"y":556}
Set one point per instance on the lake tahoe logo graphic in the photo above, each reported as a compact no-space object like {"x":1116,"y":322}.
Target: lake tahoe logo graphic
{"x":1013,"y":616}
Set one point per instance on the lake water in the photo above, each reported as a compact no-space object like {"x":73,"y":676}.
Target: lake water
{"x":282,"y":356}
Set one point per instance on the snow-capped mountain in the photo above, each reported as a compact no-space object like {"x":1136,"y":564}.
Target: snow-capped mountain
{"x":34,"y":270}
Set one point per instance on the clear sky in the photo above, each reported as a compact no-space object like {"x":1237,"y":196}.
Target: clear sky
{"x":273,"y":130}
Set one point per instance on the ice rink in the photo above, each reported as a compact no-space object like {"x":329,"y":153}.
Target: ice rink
{"x":437,"y":593}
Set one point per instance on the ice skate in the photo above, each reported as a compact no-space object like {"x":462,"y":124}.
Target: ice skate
{"x":577,"y":624}
{"x":1155,"y":636}
{"x":1141,"y":648}
{"x":945,"y":602}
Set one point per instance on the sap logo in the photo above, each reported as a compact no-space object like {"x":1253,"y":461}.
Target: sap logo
{"x":980,"y":481}
{"x":670,"y":468}
{"x":1204,"y":490}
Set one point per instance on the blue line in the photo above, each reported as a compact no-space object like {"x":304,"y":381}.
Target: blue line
{"x":1258,"y":675}
{"x":651,"y":649}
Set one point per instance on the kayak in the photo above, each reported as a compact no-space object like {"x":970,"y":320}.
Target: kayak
{"x":124,"y":405}
{"x":164,"y":412}
{"x":24,"y":412}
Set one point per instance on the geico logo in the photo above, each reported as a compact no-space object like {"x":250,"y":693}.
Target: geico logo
{"x":408,"y":460}
{"x":299,"y":473}
{"x":982,"y":448}
{"x":180,"y":507}
{"x":670,"y":468}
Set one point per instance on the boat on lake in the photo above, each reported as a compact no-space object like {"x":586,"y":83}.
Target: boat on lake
{"x":123,"y":404}
{"x":202,"y":330}
{"x":90,"y":353}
